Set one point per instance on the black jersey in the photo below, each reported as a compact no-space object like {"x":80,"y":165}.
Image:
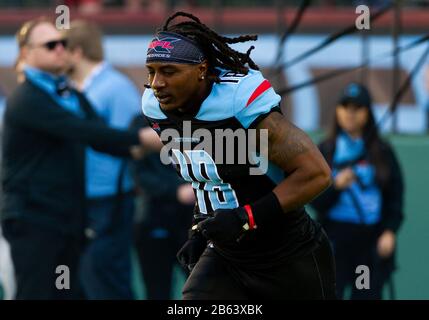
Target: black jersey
{"x":214,"y":150}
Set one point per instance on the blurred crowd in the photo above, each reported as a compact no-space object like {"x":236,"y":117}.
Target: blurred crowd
{"x":82,"y":180}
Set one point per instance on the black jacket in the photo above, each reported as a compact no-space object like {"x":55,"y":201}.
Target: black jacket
{"x":159,"y":183}
{"x":392,"y":193}
{"x":150,"y":171}
{"x":43,"y":158}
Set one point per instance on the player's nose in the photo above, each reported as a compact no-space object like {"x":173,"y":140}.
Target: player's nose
{"x":158,"y":82}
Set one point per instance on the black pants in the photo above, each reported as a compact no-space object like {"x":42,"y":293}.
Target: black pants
{"x":347,"y":276}
{"x":105,"y":268}
{"x":309,"y":277}
{"x":157,"y":257}
{"x":356,"y":245}
{"x":347,"y":262}
{"x":157,"y":241}
{"x":36,"y":254}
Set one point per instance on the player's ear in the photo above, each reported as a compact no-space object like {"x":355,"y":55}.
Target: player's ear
{"x":22,"y":54}
{"x":202,"y":69}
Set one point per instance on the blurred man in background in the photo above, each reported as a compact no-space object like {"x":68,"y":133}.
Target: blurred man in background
{"x":7,"y":272}
{"x":46,"y":127}
{"x":106,"y":262}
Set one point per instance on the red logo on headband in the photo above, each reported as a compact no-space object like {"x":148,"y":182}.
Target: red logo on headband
{"x":163,"y":44}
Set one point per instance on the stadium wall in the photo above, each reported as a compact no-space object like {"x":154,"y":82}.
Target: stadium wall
{"x":310,"y":107}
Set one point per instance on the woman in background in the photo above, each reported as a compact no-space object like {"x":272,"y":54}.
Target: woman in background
{"x":363,"y":209}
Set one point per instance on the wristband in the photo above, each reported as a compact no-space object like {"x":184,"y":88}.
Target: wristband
{"x":251,"y":219}
{"x":264,"y":210}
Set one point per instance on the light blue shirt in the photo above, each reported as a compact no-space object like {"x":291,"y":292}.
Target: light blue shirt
{"x":2,"y":107}
{"x":49,"y":83}
{"x":366,"y":194}
{"x":245,"y":97}
{"x":116,"y":100}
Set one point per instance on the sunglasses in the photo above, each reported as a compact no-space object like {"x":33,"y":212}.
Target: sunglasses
{"x":51,"y":45}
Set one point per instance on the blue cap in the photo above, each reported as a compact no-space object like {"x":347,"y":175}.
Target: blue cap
{"x":357,"y":94}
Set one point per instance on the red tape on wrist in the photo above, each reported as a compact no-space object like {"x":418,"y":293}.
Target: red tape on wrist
{"x":249,"y":212}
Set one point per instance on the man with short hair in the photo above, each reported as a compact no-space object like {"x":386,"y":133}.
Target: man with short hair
{"x":106,"y":268}
{"x":46,"y":127}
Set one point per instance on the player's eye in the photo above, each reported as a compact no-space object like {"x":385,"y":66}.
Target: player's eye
{"x":168,"y":72}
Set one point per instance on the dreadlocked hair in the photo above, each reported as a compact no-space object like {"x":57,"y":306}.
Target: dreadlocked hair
{"x":215,"y":47}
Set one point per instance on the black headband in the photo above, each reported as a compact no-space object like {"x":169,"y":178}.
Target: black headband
{"x":173,"y":47}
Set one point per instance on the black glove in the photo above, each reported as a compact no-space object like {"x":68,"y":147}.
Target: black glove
{"x":230,"y":225}
{"x":191,"y":251}
{"x":224,"y":225}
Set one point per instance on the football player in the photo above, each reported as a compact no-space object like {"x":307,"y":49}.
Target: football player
{"x":251,"y":237}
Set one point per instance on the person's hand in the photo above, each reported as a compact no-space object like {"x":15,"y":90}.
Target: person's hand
{"x":192,"y":250}
{"x":386,"y":244}
{"x":185,"y":194}
{"x":224,"y":225}
{"x":150,"y":139}
{"x":344,"y":178}
{"x":137,"y":152}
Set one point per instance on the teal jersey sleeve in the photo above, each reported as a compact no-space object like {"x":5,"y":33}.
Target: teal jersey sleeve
{"x":254,"y":98}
